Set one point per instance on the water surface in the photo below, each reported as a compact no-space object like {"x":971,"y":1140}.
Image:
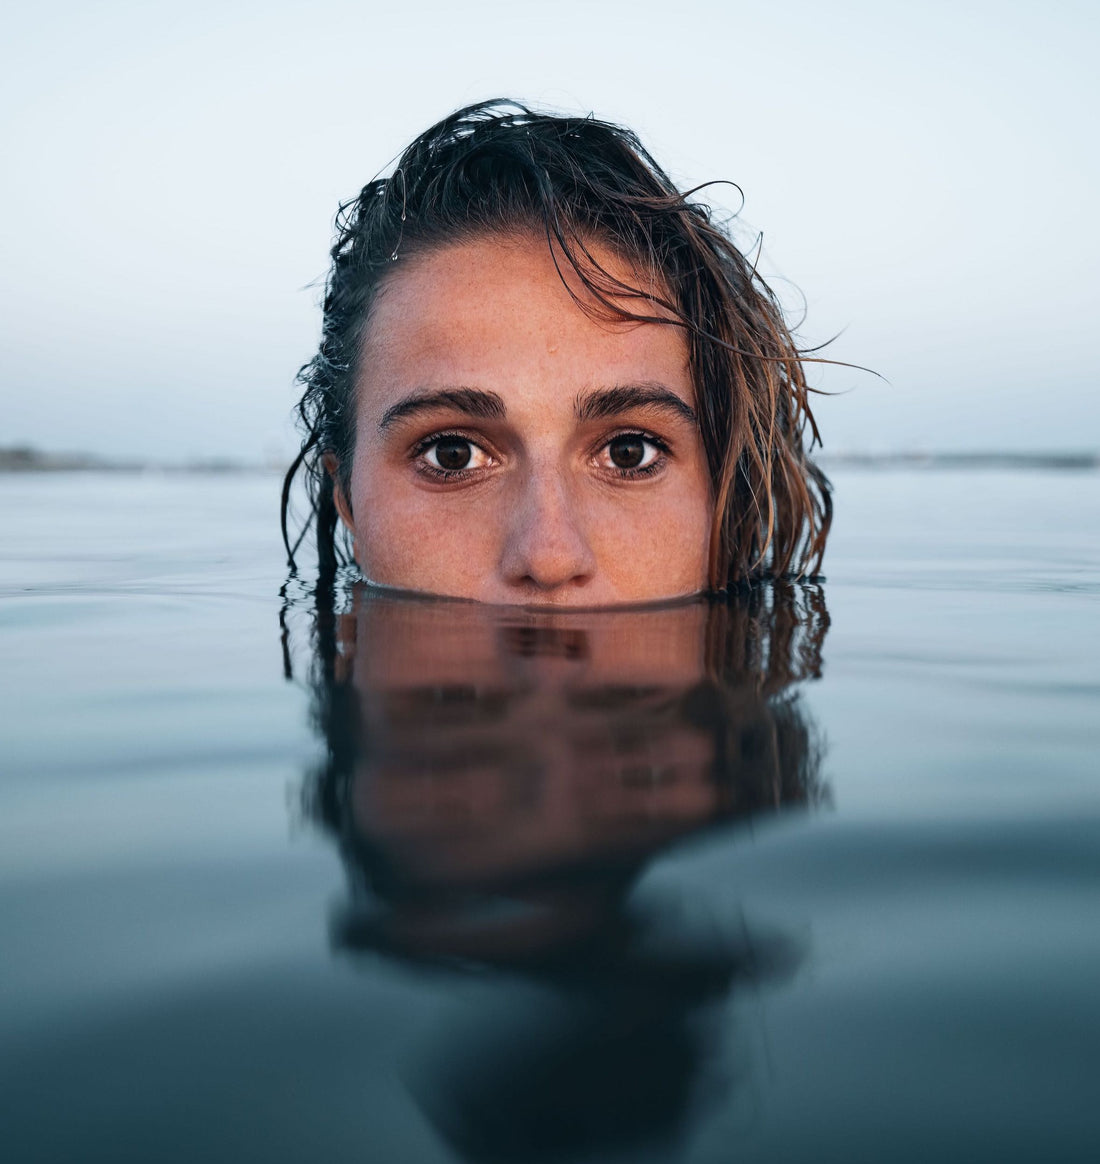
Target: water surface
{"x":814,"y":875}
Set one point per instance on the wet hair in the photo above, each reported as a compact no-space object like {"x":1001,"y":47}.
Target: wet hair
{"x":499,"y":168}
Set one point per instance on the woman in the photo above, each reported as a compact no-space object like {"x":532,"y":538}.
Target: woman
{"x":547,"y":377}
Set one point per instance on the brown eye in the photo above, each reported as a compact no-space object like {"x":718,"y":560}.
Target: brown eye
{"x":453,"y":453}
{"x":450,"y":456}
{"x":626,"y":452}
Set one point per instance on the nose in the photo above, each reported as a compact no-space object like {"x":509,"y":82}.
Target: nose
{"x":546,"y":551}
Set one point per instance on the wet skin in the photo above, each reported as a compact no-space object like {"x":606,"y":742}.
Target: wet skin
{"x":511,"y":448}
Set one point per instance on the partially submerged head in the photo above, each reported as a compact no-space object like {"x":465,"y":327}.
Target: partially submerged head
{"x":546,"y":376}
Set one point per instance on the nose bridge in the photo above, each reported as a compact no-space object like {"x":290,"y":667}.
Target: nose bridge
{"x":546,"y":545}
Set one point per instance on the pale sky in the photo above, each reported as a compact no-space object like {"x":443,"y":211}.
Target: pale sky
{"x":925,"y":176}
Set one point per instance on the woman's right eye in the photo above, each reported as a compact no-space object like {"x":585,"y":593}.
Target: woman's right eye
{"x":452,"y":454}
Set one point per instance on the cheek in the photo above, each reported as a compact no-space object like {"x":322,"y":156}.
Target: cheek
{"x":421,"y":541}
{"x":655,"y":550}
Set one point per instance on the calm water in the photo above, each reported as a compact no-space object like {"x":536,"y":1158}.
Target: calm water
{"x":811,"y":876}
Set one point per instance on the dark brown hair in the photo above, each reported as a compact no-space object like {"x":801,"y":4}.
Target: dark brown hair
{"x":500,"y":168}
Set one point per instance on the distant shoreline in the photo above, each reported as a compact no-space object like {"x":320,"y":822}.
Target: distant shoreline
{"x":28,"y":460}
{"x":1075,"y":461}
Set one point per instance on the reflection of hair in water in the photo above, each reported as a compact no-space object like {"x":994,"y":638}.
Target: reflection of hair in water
{"x":605,"y":1054}
{"x":765,"y":754}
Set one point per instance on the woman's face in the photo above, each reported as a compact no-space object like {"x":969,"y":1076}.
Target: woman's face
{"x":512,"y":449}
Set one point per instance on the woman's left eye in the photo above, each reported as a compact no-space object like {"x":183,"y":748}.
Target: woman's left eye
{"x":631,"y":452}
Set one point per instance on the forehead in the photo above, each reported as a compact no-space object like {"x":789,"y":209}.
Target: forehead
{"x":499,"y":313}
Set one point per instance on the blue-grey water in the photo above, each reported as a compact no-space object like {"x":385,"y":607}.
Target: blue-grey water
{"x":811,"y":876}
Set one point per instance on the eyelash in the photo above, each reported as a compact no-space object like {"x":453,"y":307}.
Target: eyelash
{"x":422,"y":446}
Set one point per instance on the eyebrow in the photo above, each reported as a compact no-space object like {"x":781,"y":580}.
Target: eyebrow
{"x":599,"y":405}
{"x":610,"y":402}
{"x":471,"y":401}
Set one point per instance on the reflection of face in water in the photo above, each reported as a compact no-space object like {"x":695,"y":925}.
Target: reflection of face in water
{"x":498,"y":779}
